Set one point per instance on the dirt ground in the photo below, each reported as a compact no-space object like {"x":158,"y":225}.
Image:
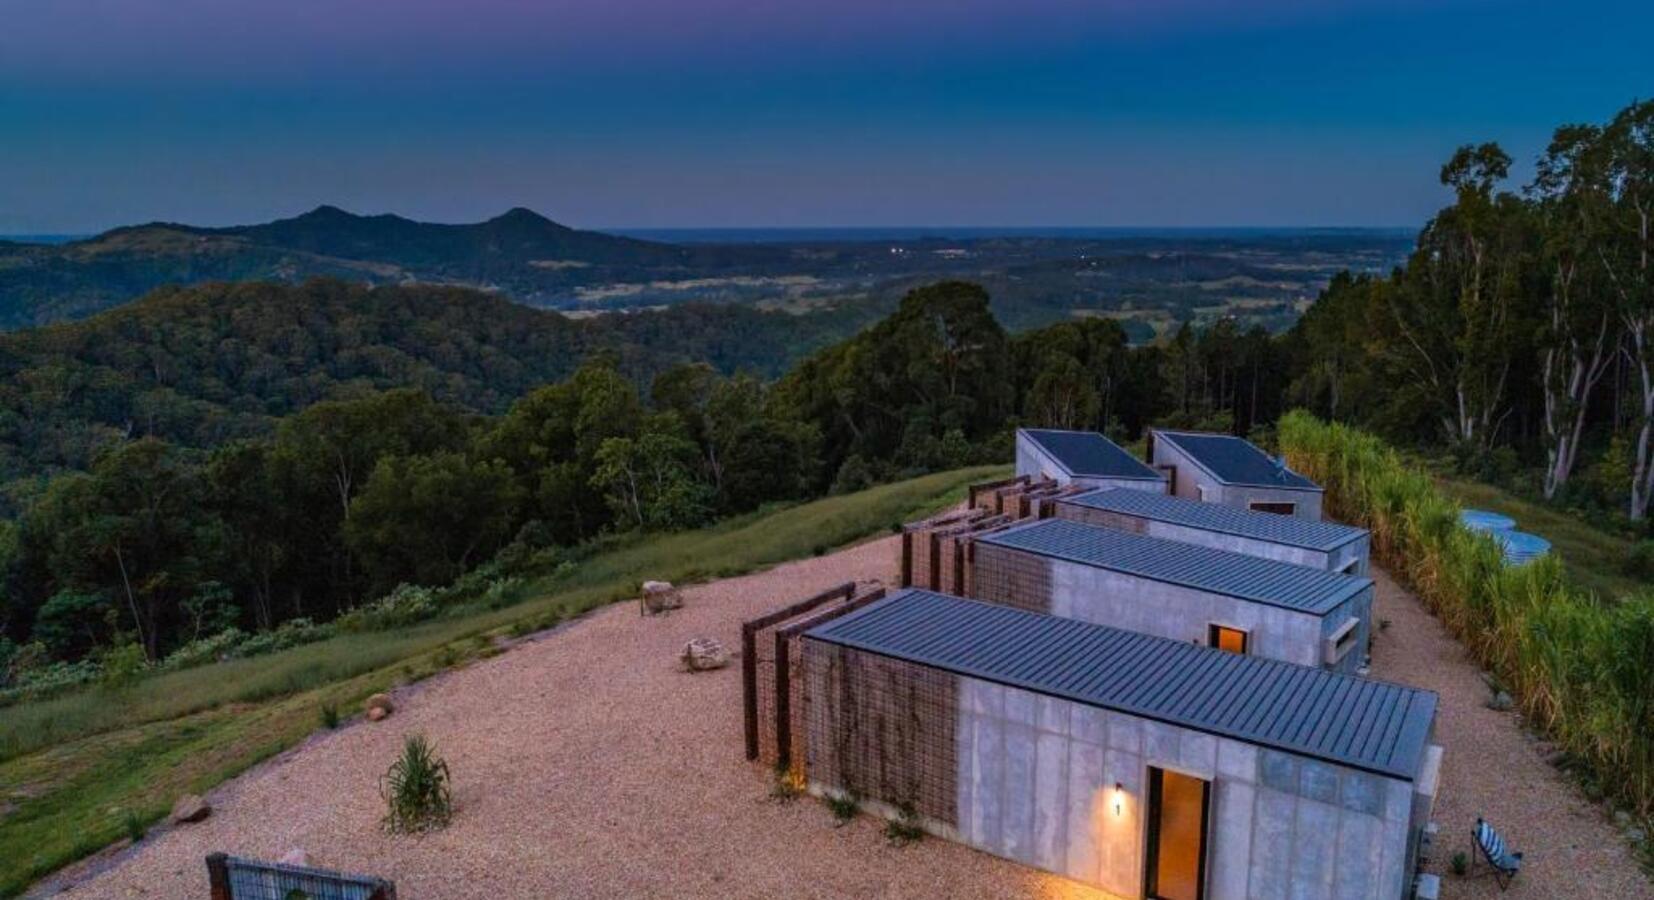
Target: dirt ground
{"x":586,"y":765}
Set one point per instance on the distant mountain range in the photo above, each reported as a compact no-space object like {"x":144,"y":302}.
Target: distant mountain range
{"x":521,"y":253}
{"x":1150,"y":280}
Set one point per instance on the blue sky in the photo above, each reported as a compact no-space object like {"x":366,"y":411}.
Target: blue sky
{"x":654,"y":113}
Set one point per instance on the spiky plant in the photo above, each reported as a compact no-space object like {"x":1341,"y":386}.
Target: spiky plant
{"x":416,"y":789}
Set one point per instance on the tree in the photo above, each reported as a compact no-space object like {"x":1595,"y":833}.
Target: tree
{"x":1629,"y":259}
{"x":1455,"y":311}
{"x":649,"y":480}
{"x":426,"y":519}
{"x":136,"y":527}
{"x":1572,"y":194}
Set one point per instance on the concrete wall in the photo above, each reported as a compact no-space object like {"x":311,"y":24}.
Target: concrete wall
{"x":1309,"y":502}
{"x":1036,"y":463}
{"x":1106,"y":597}
{"x":1192,"y":480}
{"x":1036,"y":783}
{"x":1359,"y":607}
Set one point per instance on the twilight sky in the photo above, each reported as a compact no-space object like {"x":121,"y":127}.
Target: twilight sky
{"x":662,"y":113}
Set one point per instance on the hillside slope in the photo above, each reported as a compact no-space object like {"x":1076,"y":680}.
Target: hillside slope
{"x":199,"y":366}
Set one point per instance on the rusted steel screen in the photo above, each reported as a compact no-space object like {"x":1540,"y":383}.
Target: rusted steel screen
{"x":882,"y":729}
{"x":1011,"y":577}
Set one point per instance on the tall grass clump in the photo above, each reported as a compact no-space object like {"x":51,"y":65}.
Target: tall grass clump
{"x":1581,"y":670}
{"x":416,"y":789}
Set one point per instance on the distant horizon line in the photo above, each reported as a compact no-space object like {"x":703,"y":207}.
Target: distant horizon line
{"x":866,"y":232}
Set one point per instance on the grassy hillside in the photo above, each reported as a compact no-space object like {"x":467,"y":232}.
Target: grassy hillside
{"x":79,"y":771}
{"x":1594,"y":558}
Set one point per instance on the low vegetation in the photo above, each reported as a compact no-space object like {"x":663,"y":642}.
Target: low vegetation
{"x":416,"y":789}
{"x":1579,"y":668}
{"x":66,"y":762}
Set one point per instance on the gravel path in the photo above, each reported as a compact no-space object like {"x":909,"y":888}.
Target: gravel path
{"x":1492,"y":769}
{"x":586,"y":765}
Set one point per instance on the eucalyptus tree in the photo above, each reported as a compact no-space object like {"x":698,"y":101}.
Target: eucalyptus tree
{"x":1456,"y":315}
{"x":1629,"y":259}
{"x":1579,"y":334}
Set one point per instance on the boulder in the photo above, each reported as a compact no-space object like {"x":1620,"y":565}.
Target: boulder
{"x":1501,"y":701}
{"x":658,"y":597}
{"x":702,"y":654}
{"x":295,"y":857}
{"x":381,"y":704}
{"x":375,"y":713}
{"x":190,"y":808}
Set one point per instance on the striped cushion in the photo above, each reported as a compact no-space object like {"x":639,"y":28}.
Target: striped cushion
{"x":1494,"y":846}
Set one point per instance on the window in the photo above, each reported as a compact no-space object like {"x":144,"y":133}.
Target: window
{"x":1280,"y":509}
{"x":1225,"y":638}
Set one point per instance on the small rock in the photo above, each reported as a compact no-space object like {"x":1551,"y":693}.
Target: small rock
{"x":1501,"y":701}
{"x":380,"y":703}
{"x":658,"y":597}
{"x":702,"y":654}
{"x":375,"y":713}
{"x":1623,"y":820}
{"x":190,"y":808}
{"x":295,"y":857}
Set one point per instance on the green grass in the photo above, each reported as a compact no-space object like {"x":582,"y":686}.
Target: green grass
{"x":78,"y":769}
{"x":1594,"y":559}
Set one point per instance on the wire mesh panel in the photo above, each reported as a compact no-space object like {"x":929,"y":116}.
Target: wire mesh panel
{"x":882,"y":729}
{"x":236,"y":878}
{"x":759,"y":666}
{"x":1011,"y":577}
{"x":982,"y":493}
{"x":1074,"y":512}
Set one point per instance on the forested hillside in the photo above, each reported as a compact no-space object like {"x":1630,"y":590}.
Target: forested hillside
{"x":204,"y":365}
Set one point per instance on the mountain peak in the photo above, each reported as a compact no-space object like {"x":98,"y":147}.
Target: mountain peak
{"x":520,"y":216}
{"x":328,"y":211}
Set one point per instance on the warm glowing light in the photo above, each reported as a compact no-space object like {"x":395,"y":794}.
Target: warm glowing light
{"x":1119,"y":799}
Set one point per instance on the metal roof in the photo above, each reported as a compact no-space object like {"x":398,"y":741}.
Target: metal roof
{"x":1371,"y":725}
{"x":1254,"y":578}
{"x":1236,"y":461}
{"x":1294,"y":531}
{"x":1087,"y":454}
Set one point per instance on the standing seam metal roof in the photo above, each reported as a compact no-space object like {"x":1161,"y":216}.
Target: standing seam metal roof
{"x":1236,"y":461}
{"x":1294,"y":531}
{"x":1370,"y":725}
{"x":1254,"y":578}
{"x":1087,"y":454}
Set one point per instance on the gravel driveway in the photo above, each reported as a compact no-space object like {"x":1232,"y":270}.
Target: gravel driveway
{"x":586,"y":765}
{"x":1492,"y":769}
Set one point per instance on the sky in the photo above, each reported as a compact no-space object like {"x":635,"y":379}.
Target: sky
{"x":743,"y":113}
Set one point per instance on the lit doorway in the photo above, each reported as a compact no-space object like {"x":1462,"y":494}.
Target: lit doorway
{"x":1179,"y":807}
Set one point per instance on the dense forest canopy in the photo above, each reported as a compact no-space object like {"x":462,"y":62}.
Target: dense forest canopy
{"x":1519,"y":331}
{"x":240,"y":456}
{"x":204,"y":365}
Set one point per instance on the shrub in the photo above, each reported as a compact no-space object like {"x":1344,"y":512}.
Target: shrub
{"x":133,"y":825}
{"x":1579,"y":670}
{"x":329,"y":714}
{"x":416,"y":789}
{"x":844,"y":806}
{"x":205,"y":650}
{"x":122,"y":666}
{"x":404,"y":606}
{"x":905,"y":828}
{"x":1461,"y":864}
{"x":1639,"y":563}
{"x":290,"y":633}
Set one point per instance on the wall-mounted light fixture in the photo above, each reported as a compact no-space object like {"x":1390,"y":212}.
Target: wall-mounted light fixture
{"x":1119,"y":799}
